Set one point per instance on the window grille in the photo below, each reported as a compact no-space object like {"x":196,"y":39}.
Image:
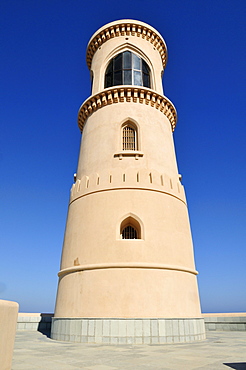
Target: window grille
{"x":129,"y":138}
{"x":129,"y":233}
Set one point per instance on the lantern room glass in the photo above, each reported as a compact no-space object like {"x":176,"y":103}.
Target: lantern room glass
{"x":127,"y":69}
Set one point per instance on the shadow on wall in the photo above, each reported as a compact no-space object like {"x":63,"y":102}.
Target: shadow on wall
{"x":236,"y":365}
{"x":44,"y":325}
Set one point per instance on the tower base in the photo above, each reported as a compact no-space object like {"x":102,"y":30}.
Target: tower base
{"x":128,"y":331}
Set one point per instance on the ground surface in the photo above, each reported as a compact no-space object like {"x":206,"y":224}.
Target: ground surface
{"x":221,"y":350}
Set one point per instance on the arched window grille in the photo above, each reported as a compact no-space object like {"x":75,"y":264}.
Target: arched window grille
{"x":129,"y":233}
{"x":127,"y":69}
{"x":129,"y":138}
{"x":130,"y":229}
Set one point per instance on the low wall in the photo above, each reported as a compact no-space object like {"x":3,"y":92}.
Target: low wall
{"x":225,"y":321}
{"x":213,"y":321}
{"x":8,"y":318}
{"x":35,"y":321}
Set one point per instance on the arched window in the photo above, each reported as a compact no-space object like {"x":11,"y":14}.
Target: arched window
{"x":130,"y":229}
{"x":127,"y":69}
{"x":129,"y":137}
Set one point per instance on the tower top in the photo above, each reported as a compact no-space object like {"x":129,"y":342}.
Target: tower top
{"x":126,"y":27}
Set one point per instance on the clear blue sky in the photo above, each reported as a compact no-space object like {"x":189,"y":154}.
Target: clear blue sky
{"x":44,"y":80}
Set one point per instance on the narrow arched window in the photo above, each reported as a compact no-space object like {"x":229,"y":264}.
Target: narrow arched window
{"x":127,"y":69}
{"x":129,"y":138}
{"x":130,"y":229}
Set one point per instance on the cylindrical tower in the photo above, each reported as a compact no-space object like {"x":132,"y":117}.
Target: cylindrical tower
{"x":127,"y":268}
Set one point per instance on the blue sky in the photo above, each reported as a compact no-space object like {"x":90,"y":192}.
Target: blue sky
{"x":44,"y":80}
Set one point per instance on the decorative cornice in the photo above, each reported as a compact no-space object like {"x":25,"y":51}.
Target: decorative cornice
{"x":127,"y":94}
{"x":140,"y":265}
{"x":127,"y":28}
{"x":138,"y":179}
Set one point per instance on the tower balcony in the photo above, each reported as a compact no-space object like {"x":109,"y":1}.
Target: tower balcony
{"x":127,"y":94}
{"x":126,"y":28}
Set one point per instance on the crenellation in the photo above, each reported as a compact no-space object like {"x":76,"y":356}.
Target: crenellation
{"x":123,"y":30}
{"x":104,"y":99}
{"x":107,"y":34}
{"x":99,"y":102}
{"x":110,"y":98}
{"x":94,"y":105}
{"x":131,"y":178}
{"x":127,"y":29}
{"x":133,"y":29}
{"x":117,"y":31}
{"x":112,"y":32}
{"x":127,"y":94}
{"x":116,"y":96}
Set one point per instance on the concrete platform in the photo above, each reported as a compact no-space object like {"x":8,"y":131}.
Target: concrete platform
{"x":221,"y":350}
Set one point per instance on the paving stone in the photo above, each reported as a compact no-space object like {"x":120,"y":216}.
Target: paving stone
{"x":221,"y":350}
{"x":114,"y":340}
{"x":146,"y":340}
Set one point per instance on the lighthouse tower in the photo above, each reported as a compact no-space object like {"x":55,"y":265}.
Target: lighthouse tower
{"x":127,"y":269}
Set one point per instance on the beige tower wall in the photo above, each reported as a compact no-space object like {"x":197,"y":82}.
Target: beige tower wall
{"x":102,"y":141}
{"x":107,"y":190}
{"x":102,"y":275}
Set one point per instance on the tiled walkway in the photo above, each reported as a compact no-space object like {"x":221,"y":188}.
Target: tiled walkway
{"x":221,"y":350}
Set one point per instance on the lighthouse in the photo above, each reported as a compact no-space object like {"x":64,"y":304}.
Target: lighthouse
{"x":127,"y":271}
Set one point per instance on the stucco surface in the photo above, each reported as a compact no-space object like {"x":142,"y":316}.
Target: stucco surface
{"x":103,"y":275}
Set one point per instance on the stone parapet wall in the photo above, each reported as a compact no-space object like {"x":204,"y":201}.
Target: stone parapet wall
{"x":34,"y":321}
{"x":213,"y":322}
{"x":225,"y":322}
